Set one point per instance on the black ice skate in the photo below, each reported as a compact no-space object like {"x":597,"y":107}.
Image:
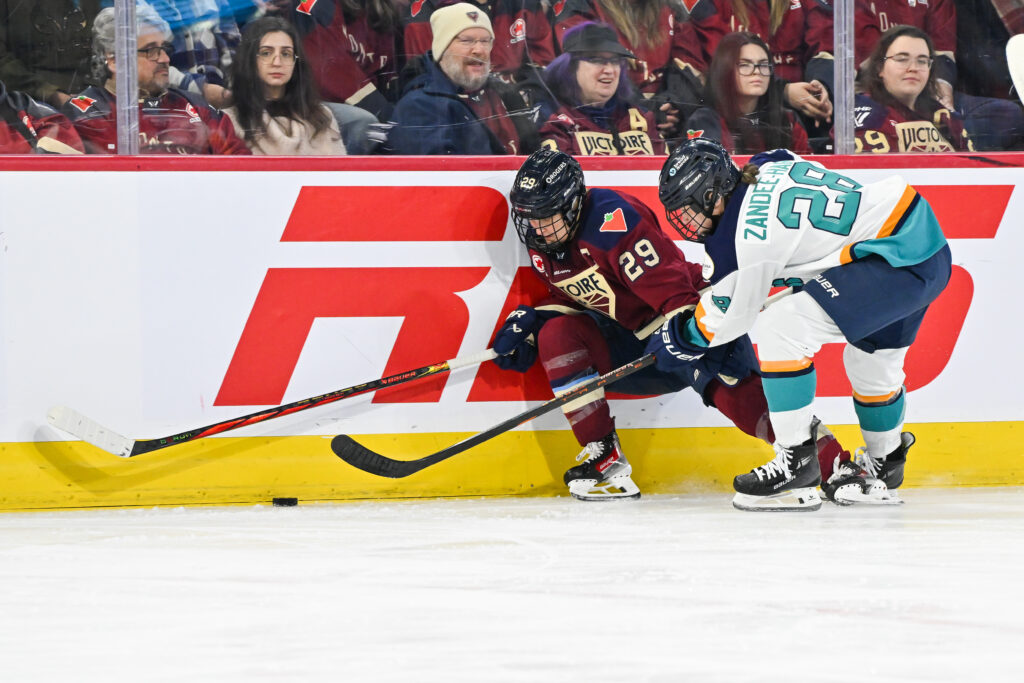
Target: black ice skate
{"x":789,"y":482}
{"x":850,"y":483}
{"x":604,"y":473}
{"x":890,"y":468}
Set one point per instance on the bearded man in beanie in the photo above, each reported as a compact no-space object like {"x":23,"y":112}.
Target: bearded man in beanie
{"x":456,"y":106}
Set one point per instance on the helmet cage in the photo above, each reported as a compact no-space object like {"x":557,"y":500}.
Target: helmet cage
{"x":695,"y":176}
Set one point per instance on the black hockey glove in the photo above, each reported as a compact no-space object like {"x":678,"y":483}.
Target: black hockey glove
{"x":671,"y":350}
{"x":515,"y":342}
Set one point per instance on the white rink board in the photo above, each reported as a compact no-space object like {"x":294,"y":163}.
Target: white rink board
{"x":125,"y":298}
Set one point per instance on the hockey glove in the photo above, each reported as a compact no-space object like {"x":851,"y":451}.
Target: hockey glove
{"x":515,"y":342}
{"x":671,"y":350}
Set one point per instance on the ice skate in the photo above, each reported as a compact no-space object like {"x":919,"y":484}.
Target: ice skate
{"x":850,"y":484}
{"x":788,"y":483}
{"x":603,"y":474}
{"x":889,"y":469}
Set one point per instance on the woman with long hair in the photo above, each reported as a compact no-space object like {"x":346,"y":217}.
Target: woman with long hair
{"x":746,"y":112}
{"x":597,"y":109}
{"x":277,"y":109}
{"x":899,"y":108}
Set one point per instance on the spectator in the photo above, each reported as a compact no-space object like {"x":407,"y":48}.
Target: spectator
{"x":900,"y":111}
{"x":599,"y":112}
{"x":277,"y":109}
{"x":802,"y":65}
{"x":668,"y":65}
{"x":44,"y":47}
{"x":523,"y":34}
{"x":746,"y":114}
{"x":171,"y":121}
{"x":456,"y":106}
{"x":30,"y":127}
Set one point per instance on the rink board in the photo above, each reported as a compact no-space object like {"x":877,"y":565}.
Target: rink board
{"x":227,"y":470}
{"x":320,"y":274}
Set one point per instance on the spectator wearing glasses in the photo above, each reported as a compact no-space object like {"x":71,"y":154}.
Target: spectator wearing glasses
{"x":171,"y":121}
{"x":456,"y":106}
{"x":746,"y":113}
{"x":599,"y":112}
{"x":899,"y":109}
{"x":277,"y":110}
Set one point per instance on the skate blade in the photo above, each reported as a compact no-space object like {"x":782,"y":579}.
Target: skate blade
{"x":852,"y":494}
{"x":616,"y":488}
{"x":795,"y":500}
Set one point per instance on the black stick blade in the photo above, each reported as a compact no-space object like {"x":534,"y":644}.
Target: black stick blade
{"x":361,"y":457}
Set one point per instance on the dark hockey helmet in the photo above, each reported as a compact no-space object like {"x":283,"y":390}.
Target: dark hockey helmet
{"x":694,"y":177}
{"x":547,"y":200}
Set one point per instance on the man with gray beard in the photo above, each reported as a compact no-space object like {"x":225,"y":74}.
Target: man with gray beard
{"x":455,"y":106}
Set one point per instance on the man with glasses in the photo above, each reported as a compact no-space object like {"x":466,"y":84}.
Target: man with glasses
{"x":171,"y":121}
{"x":456,"y":106}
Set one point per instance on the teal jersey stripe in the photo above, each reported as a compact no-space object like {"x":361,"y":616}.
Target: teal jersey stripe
{"x":917,"y":238}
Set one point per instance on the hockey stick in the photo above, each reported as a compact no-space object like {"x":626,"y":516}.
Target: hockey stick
{"x":87,"y":430}
{"x":357,"y":455}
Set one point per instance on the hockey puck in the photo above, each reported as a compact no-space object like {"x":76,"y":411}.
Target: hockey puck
{"x":285,"y":502}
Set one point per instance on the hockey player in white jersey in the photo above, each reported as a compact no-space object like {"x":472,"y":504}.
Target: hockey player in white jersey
{"x":864,"y":263}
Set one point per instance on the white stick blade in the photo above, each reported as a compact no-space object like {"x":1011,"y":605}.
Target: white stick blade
{"x":1015,"y":61}
{"x":76,"y":424}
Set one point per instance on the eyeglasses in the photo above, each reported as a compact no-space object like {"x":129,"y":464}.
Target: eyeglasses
{"x":905,"y":60}
{"x":748,"y":68}
{"x":470,"y":43}
{"x":267,"y":54}
{"x":602,"y":61}
{"x":152,"y":53}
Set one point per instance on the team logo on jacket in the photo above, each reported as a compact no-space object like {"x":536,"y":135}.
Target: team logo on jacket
{"x":614,"y":222}
{"x":538,"y":262}
{"x":921,"y":136}
{"x":558,"y":7}
{"x":82,"y":103}
{"x":689,"y":5}
{"x":518,"y":30}
{"x":306,"y":6}
{"x":415,"y":7}
{"x":634,"y":143}
{"x":192,"y":113}
{"x":28,"y":123}
{"x":590,"y":289}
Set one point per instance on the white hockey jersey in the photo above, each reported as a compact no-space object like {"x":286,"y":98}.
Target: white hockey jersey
{"x":797,"y":221}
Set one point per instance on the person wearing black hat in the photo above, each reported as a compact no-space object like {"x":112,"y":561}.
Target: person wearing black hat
{"x":597,"y":111}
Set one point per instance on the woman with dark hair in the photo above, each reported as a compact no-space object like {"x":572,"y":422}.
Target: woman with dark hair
{"x":746,"y":112}
{"x":899,"y":109}
{"x":277,"y":109}
{"x":597,"y":111}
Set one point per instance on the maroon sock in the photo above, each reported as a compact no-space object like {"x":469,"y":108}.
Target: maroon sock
{"x":745,"y":405}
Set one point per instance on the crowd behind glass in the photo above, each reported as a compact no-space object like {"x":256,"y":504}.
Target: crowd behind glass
{"x":589,"y":77}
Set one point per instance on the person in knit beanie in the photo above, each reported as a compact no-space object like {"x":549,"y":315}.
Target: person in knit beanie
{"x":462,"y":44}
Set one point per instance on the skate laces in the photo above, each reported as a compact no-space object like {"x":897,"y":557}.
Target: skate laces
{"x":592,"y":451}
{"x":778,"y":465}
{"x":870,"y":463}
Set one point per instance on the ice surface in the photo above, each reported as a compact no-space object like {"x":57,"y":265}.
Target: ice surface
{"x":669,"y":588}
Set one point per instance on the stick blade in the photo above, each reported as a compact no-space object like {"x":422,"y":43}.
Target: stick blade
{"x":361,"y":457}
{"x":78,"y":425}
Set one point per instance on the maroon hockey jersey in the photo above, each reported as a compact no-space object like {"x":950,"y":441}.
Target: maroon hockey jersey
{"x":351,"y":62}
{"x":620,"y":264}
{"x":794,"y":43}
{"x":28,"y":127}
{"x":631,"y":131}
{"x":522,"y":34}
{"x":879,"y":129}
{"x":675,"y":41}
{"x":173,"y":123}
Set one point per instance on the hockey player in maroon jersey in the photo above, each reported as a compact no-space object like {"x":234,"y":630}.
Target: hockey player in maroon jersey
{"x":614,"y":278}
{"x":522,"y":34}
{"x":171,"y":121}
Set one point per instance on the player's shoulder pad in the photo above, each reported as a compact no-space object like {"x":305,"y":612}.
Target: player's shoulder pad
{"x":768,"y":157}
{"x":868,"y":114}
{"x":607,"y":218}
{"x":720,"y":247}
